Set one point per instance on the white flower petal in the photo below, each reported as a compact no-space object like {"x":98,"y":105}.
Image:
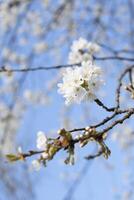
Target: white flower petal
{"x":41,"y":142}
{"x":36,"y":165}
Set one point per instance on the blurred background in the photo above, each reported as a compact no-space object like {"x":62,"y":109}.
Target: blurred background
{"x":35,"y":33}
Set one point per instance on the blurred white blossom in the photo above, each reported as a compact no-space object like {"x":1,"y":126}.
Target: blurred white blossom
{"x":41,"y":142}
{"x":36,"y":97}
{"x":40,"y":47}
{"x":36,"y":165}
{"x":125,"y":136}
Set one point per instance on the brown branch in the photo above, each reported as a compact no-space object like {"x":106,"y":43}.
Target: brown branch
{"x":107,"y":119}
{"x":116,"y":51}
{"x":114,"y":58}
{"x":40,"y":68}
{"x":31,"y":153}
{"x":103,"y":106}
{"x":131,"y":79}
{"x":104,"y":121}
{"x":65,"y":141}
{"x":90,"y":157}
{"x":118,"y":90}
{"x":16,"y":3}
{"x":120,"y":121}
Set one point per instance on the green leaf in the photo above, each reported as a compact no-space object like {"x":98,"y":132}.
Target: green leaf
{"x":12,"y":157}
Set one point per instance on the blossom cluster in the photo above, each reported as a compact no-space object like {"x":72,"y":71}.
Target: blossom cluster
{"x":41,"y":144}
{"x":48,"y":147}
{"x":82,"y":50}
{"x":81,"y":82}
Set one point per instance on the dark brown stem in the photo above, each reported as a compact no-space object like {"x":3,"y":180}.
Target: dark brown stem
{"x":103,"y":106}
{"x":120,"y":121}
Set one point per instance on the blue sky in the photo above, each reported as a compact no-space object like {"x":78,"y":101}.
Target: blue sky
{"x":104,"y":179}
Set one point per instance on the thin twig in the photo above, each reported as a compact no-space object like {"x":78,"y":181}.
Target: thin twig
{"x":103,"y":106}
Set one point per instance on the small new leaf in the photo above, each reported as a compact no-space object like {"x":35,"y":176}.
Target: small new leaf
{"x":13,"y":158}
{"x":106,"y":150}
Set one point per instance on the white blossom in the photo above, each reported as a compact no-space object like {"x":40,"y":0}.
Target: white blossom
{"x":20,"y":149}
{"x":41,"y":142}
{"x":82,"y":50}
{"x":36,"y":165}
{"x":81,"y":83}
{"x":45,"y":155}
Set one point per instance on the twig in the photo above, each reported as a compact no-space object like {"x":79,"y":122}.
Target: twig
{"x":103,"y":106}
{"x":120,"y":121}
